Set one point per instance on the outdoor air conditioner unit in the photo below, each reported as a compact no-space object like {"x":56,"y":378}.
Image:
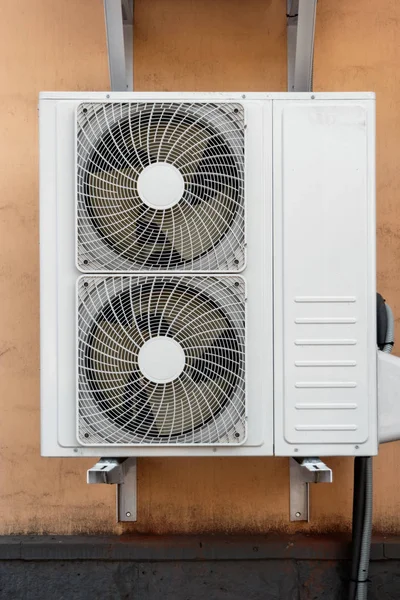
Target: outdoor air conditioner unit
{"x":208,"y":274}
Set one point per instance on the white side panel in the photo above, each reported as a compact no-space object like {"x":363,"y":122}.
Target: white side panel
{"x":67,"y":274}
{"x":325,"y":341}
{"x":258,"y":274}
{"x":59,"y":276}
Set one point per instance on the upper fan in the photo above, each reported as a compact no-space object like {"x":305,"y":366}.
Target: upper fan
{"x":160,"y":186}
{"x":161,"y":360}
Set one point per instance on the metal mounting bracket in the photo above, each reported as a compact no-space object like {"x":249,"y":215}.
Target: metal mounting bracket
{"x":122,"y":473}
{"x":304,"y":471}
{"x":301,"y":15}
{"x":119,"y":29}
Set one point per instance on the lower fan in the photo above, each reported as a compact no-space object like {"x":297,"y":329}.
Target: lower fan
{"x":161,"y":360}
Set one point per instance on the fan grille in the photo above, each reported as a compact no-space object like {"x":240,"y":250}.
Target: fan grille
{"x":117,"y":230}
{"x":204,"y":402}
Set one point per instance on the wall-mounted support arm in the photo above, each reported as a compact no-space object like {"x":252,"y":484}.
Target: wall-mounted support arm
{"x":304,"y":471}
{"x":119,"y":29}
{"x":122,"y":473}
{"x":301,"y":16}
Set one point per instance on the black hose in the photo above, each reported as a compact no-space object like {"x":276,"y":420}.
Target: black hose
{"x":362,"y":492}
{"x":360,"y":466}
{"x":381,"y":321}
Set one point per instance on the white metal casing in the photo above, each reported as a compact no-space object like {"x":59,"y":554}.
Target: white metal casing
{"x":310,"y":162}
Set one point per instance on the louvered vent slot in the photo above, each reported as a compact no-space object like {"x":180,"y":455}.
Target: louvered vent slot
{"x":160,"y":186}
{"x":161,"y":360}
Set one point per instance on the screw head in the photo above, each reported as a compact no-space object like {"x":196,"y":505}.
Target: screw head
{"x":298,"y":514}
{"x":312,"y":97}
{"x":244,"y":96}
{"x":128,"y":514}
{"x":356,"y":447}
{"x":108,"y":95}
{"x":296,"y":449}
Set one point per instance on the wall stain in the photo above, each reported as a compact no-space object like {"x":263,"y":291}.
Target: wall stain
{"x":2,"y":352}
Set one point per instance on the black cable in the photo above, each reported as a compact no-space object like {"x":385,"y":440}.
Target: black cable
{"x":360,"y":465}
{"x":381,"y":321}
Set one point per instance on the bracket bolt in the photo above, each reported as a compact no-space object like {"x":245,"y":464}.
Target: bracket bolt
{"x":128,"y":514}
{"x":298,"y":514}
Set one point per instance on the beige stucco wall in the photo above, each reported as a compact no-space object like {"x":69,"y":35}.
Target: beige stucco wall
{"x":179,"y":45}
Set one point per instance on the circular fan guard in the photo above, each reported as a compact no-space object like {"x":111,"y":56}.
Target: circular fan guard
{"x":205,"y":404}
{"x":116,"y":230}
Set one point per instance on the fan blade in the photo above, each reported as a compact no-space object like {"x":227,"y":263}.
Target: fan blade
{"x":139,"y":159}
{"x":118,"y":311}
{"x":136,"y":401}
{"x":116,"y":151}
{"x":152,"y":324}
{"x":222,"y":355}
{"x":197,"y":186}
{"x":149,"y":232}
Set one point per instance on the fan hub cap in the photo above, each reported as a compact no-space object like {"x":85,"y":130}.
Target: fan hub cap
{"x":160,"y":185}
{"x":161,"y":359}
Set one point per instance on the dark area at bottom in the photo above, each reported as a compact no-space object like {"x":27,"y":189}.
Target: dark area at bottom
{"x":223,"y":580}
{"x":270,"y":567}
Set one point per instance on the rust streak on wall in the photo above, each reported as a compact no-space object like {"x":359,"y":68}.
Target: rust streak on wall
{"x":179,"y":45}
